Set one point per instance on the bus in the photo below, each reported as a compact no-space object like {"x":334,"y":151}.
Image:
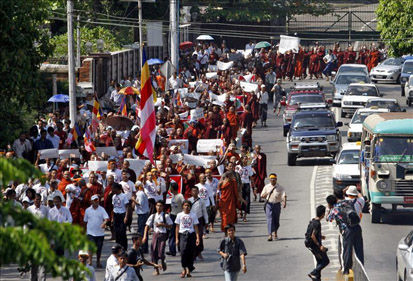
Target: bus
{"x":386,"y":161}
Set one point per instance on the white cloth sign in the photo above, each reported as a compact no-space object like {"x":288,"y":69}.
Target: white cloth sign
{"x":210,"y":75}
{"x":183,"y":115}
{"x":183,"y":144}
{"x":109,"y":150}
{"x":197,"y":113}
{"x":175,"y":158}
{"x":288,"y":43}
{"x":207,"y":145}
{"x":247,"y":77}
{"x":49,"y":153}
{"x":137,"y":165}
{"x":154,"y":33}
{"x":249,"y":87}
{"x":212,"y":68}
{"x":196,"y":160}
{"x":69,"y":153}
{"x":97,"y":165}
{"x":224,"y":65}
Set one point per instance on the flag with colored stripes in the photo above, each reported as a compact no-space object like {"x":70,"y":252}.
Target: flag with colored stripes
{"x":73,"y":135}
{"x":96,"y":116}
{"x":145,"y":144}
{"x":123,"y":109}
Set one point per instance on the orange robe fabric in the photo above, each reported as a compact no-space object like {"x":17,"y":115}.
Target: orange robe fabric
{"x":228,"y":202}
{"x":233,"y":122}
{"x":374,"y":58}
{"x":62,"y":186}
{"x":299,"y":59}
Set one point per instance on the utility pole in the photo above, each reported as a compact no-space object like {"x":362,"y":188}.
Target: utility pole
{"x":140,"y":34}
{"x":78,"y":62}
{"x":173,"y":33}
{"x":71,"y":63}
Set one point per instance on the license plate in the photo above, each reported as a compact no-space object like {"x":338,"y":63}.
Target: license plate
{"x":408,"y":199}
{"x":383,"y":77}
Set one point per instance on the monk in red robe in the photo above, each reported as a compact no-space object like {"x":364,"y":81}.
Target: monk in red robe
{"x":313,"y":64}
{"x":374,"y":58}
{"x":227,"y":202}
{"x":260,"y":168}
{"x":350,"y":55}
{"x":363,"y":56}
{"x":226,"y":131}
{"x":340,"y":57}
{"x":279,"y":60}
{"x":299,"y":60}
{"x":64,"y":182}
{"x":246,"y":123}
{"x":306,"y":62}
{"x":233,"y":121}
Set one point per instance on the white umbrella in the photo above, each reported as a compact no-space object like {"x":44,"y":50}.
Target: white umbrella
{"x":205,"y":37}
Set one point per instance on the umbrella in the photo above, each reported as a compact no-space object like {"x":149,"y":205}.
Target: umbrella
{"x":262,"y":44}
{"x":119,"y":123}
{"x":185,"y":45}
{"x":59,"y":98}
{"x":154,"y":61}
{"x":205,"y":37}
{"x":129,"y":91}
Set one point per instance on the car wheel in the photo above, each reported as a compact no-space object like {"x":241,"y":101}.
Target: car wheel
{"x":292,"y":158}
{"x":375,"y":213}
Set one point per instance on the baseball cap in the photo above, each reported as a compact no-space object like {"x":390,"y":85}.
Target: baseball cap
{"x":352,"y":190}
{"x":83,"y":253}
{"x":94,"y":197}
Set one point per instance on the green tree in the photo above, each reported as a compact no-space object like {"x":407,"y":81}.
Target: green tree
{"x":395,"y":23}
{"x":86,"y":35}
{"x":24,"y":46}
{"x":26,"y":240}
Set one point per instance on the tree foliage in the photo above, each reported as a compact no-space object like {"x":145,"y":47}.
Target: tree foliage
{"x":263,"y":10}
{"x":86,"y":35}
{"x":24,"y":46}
{"x":27,"y":240}
{"x":395,"y":23}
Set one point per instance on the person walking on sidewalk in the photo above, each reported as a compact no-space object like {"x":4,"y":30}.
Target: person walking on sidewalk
{"x":313,"y":238}
{"x":176,"y":207}
{"x":275,"y":196}
{"x":233,"y":252}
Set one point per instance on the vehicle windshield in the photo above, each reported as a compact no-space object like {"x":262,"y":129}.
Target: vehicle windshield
{"x":315,"y":121}
{"x":348,"y":79}
{"x":349,"y":157}
{"x":408,"y":67}
{"x":359,"y":117}
{"x":345,"y":68}
{"x":393,"y":61}
{"x":295,"y":99}
{"x":393,"y":149}
{"x":362,"y":91}
{"x":381,"y":103}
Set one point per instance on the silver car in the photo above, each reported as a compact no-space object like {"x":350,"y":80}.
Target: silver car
{"x":404,"y":258}
{"x":343,"y":80}
{"x":387,"y":71}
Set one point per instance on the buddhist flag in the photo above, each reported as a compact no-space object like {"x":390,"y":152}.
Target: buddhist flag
{"x":122,"y":109}
{"x":73,"y":135}
{"x":146,"y":142}
{"x":96,"y":116}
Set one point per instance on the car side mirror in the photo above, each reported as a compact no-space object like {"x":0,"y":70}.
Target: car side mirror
{"x":339,"y":124}
{"x":403,"y":247}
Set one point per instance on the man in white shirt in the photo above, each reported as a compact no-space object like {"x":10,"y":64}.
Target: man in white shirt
{"x":52,"y":191}
{"x":83,"y":258}
{"x":249,"y":46}
{"x":120,"y":203}
{"x":115,"y":96}
{"x":263,"y":101}
{"x":206,"y":194}
{"x":113,"y":170}
{"x":330,"y":59}
{"x":123,"y":272}
{"x":127,"y":185}
{"x":176,"y":207}
{"x":37,"y":208}
{"x":96,"y":219}
{"x":112,"y":261}
{"x":212,"y":183}
{"x":52,"y":137}
{"x":246,"y":172}
{"x":199,"y":209}
{"x":173,"y":82}
{"x":59,"y":213}
{"x":21,"y":146}
{"x":142,"y":210}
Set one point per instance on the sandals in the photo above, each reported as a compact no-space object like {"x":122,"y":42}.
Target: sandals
{"x":183,"y":274}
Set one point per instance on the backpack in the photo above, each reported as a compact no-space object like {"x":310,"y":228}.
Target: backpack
{"x":153,"y":219}
{"x":350,"y":216}
{"x":308,"y":242}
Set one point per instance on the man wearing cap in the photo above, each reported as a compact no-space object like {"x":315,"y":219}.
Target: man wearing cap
{"x":263,"y":102}
{"x":120,"y":214}
{"x":275,"y":197}
{"x":96,"y":219}
{"x":83,"y":258}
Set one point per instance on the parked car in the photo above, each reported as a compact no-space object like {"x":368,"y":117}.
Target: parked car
{"x":356,"y":124}
{"x":295,"y":100}
{"x":357,"y":96}
{"x":346,"y":167}
{"x":404,"y":258}
{"x":343,"y":80}
{"x":408,"y":88}
{"x":391,"y":104}
{"x":313,"y":133}
{"x":352,"y":67}
{"x":407,"y":70}
{"x":387,"y":71}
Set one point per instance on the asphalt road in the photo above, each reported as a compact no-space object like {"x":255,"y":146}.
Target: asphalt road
{"x":286,"y":259}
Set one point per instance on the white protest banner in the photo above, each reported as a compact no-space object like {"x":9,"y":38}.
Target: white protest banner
{"x":191,"y":104}
{"x":183,"y":144}
{"x":210,"y":75}
{"x":109,"y":150}
{"x":69,"y":153}
{"x":221,"y":169}
{"x":193,"y":95}
{"x":249,"y":87}
{"x":175,"y":158}
{"x":197,"y":113}
{"x":247,"y":53}
{"x":182,"y":92}
{"x":212,"y":68}
{"x":137,"y":165}
{"x":97,"y":165}
{"x":247,"y":78}
{"x":195,"y":160}
{"x":49,"y":153}
{"x":207,"y":145}
{"x":183,"y":116}
{"x":224,"y":65}
{"x":288,"y":43}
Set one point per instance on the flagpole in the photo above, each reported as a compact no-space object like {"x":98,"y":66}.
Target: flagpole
{"x":140,"y":34}
{"x":71,"y":63}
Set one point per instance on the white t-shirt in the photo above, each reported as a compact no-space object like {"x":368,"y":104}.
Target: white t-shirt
{"x":55,"y":140}
{"x":60,"y":215}
{"x":245,"y":173}
{"x":40,"y":212}
{"x":128,"y":188}
{"x":117,"y":175}
{"x":158,"y":218}
{"x":119,"y":202}
{"x":95,"y":218}
{"x":152,"y":190}
{"x":213,"y":184}
{"x":206,"y":194}
{"x":143,"y":207}
{"x":186,"y":222}
{"x":111,"y":263}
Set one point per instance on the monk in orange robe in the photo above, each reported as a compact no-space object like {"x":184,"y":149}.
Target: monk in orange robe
{"x":373,"y":59}
{"x":299,"y":59}
{"x":233,"y":121}
{"x":64,"y":182}
{"x":228,"y":201}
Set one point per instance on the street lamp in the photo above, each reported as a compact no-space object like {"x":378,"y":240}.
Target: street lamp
{"x":88,"y":47}
{"x":100,"y":45}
